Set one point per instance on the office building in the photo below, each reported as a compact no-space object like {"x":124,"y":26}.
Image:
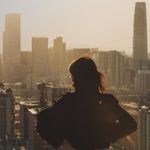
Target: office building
{"x":140,"y":49}
{"x":11,"y":48}
{"x":34,"y":141}
{"x":144,"y":128}
{"x":40,"y":64}
{"x":59,"y":61}
{"x":115,"y":68}
{"x":140,"y":32}
{"x":6,"y":117}
{"x":26,"y":63}
{"x":28,"y":124}
{"x":142,"y":82}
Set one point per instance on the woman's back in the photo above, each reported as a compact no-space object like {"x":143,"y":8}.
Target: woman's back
{"x":87,"y":119}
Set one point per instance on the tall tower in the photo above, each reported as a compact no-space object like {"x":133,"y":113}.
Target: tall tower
{"x":11,"y":48}
{"x":140,"y":32}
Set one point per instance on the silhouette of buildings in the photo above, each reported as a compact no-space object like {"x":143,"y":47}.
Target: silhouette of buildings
{"x":12,"y":48}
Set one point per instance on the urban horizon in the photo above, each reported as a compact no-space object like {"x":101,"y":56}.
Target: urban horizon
{"x":31,"y":81}
{"x":106,"y":32}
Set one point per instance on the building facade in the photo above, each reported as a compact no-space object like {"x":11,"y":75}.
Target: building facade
{"x":12,"y":48}
{"x":140,"y":49}
{"x":40,"y":64}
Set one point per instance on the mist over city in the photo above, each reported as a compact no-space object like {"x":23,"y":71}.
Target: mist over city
{"x":37,"y":48}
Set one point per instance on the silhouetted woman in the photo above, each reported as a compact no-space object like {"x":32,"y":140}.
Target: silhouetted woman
{"x":86,"y":119}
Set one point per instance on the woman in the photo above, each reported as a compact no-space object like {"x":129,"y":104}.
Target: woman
{"x":86,"y":119}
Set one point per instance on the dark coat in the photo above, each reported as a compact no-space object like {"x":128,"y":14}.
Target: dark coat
{"x":86,"y":121}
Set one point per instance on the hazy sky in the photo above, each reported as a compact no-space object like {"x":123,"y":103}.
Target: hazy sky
{"x":103,"y":24}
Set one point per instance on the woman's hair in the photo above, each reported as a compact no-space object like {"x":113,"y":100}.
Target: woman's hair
{"x":85,"y":75}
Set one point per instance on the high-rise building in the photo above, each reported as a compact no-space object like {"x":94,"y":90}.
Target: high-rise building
{"x":28,"y":125}
{"x":142,"y":82}
{"x":6,"y":117}
{"x":26,"y":66}
{"x":23,"y":115}
{"x":34,"y":141}
{"x":11,"y":48}
{"x":40,"y":64}
{"x":115,"y":68}
{"x":140,"y":51}
{"x":140,"y":32}
{"x":144,"y":128}
{"x":59,"y":51}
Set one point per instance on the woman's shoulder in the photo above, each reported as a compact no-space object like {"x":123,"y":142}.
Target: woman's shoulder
{"x":63,"y":98}
{"x":109,"y":97}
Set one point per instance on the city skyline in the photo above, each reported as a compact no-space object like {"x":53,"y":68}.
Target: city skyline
{"x":100,"y":24}
{"x":35,"y":68}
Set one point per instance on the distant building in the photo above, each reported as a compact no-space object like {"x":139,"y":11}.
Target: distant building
{"x":48,"y":93}
{"x":23,"y":115}
{"x":40,"y":64}
{"x":59,"y":63}
{"x":131,"y":141}
{"x":116,"y":66}
{"x":12,"y":48}
{"x":28,"y":123}
{"x":140,"y":51}
{"x":42,"y":94}
{"x":98,"y":57}
{"x":112,"y":63}
{"x":6,"y":117}
{"x":80,"y":52}
{"x":26,"y":58}
{"x":55,"y":92}
{"x":128,"y":72}
{"x":35,"y":142}
{"x":26,"y":68}
{"x":142,"y":82}
{"x":144,"y":128}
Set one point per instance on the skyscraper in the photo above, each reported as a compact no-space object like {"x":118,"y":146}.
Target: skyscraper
{"x":40,"y":58}
{"x":6,"y":117}
{"x":140,"y":32}
{"x":59,"y":52}
{"x":11,"y":48}
{"x":144,"y":128}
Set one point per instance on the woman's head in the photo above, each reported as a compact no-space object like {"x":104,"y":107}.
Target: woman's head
{"x":85,"y":75}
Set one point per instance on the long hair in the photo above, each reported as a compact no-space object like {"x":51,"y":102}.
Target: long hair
{"x":85,"y":75}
